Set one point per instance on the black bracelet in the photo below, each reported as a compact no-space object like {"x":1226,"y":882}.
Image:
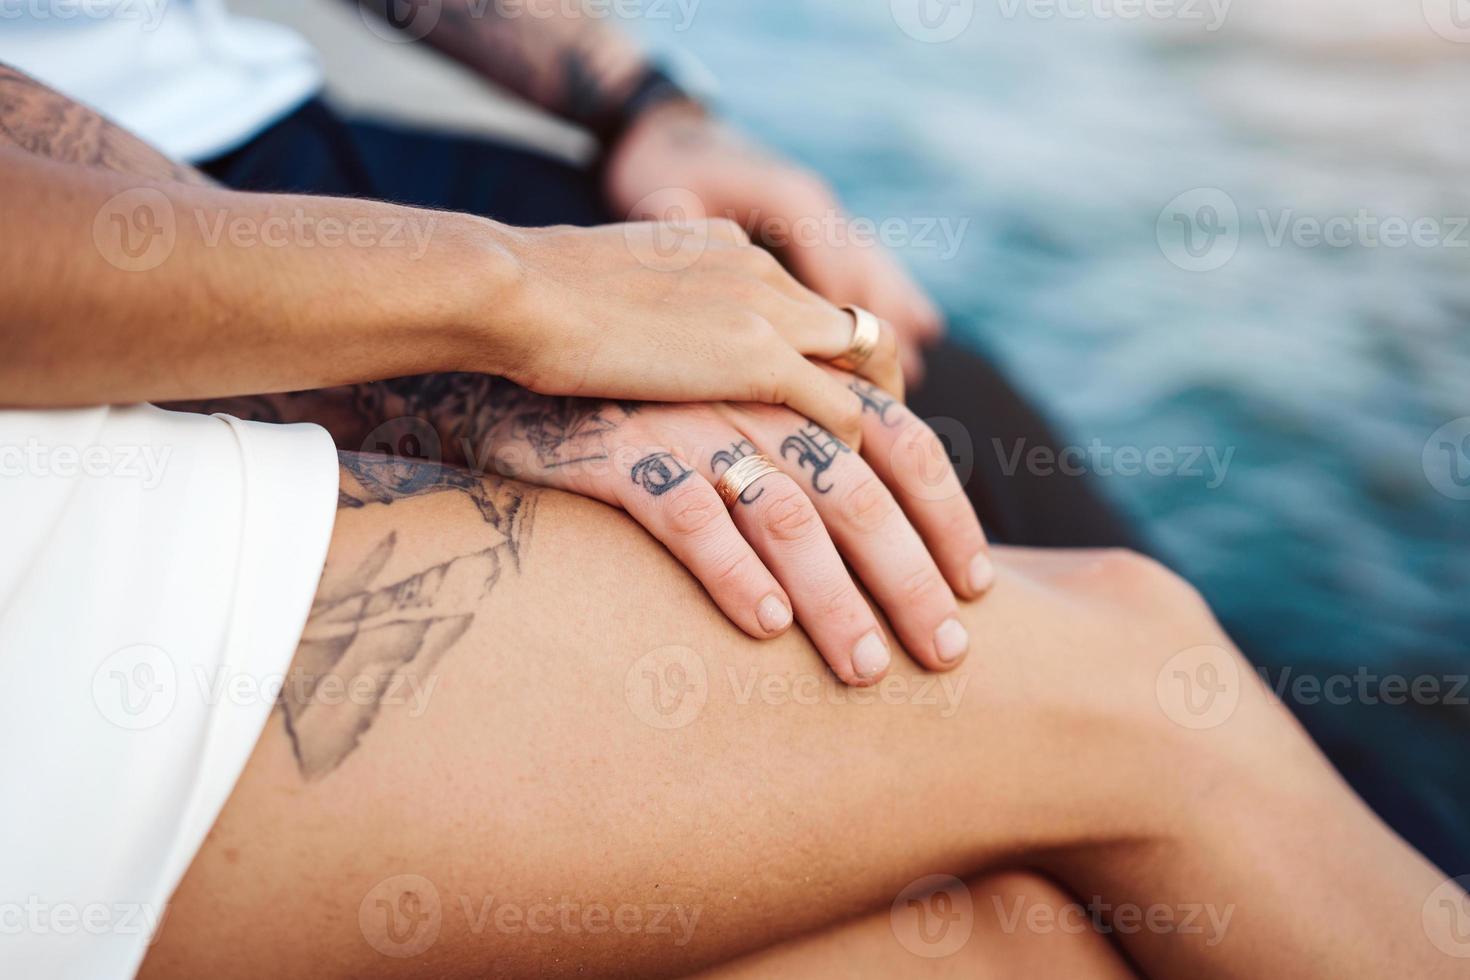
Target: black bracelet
{"x":654,"y":88}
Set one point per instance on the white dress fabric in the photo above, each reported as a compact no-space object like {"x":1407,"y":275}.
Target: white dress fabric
{"x":157,"y":570}
{"x":186,"y":75}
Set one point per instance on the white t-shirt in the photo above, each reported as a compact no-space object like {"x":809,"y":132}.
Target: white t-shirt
{"x":186,"y":75}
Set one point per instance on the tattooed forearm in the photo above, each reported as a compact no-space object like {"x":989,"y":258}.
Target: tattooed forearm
{"x":814,"y":447}
{"x":549,"y":52}
{"x":42,"y":121}
{"x":368,"y":640}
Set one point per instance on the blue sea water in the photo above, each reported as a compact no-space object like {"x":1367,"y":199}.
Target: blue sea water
{"x":1336,"y":542}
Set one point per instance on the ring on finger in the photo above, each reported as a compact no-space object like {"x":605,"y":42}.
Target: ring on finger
{"x":744,"y":474}
{"x":866,"y":332}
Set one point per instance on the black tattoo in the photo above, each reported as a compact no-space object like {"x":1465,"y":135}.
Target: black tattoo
{"x":367,"y":642}
{"x":875,"y":400}
{"x":817,"y":448}
{"x":386,"y":479}
{"x":726,"y":458}
{"x":569,"y":64}
{"x":660,"y":473}
{"x":564,"y":431}
{"x":42,"y":121}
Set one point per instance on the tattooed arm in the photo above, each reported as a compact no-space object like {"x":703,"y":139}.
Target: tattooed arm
{"x":547,"y":51}
{"x":123,"y":279}
{"x":128,"y":277}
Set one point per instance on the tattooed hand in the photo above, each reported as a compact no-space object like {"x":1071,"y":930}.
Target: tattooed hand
{"x":896,"y":512}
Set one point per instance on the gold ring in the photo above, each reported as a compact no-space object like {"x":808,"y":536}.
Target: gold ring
{"x":742,"y":475}
{"x":866,"y":333}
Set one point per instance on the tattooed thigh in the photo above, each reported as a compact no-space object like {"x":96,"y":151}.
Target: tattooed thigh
{"x":382,"y":619}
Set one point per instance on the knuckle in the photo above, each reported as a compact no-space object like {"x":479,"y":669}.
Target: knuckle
{"x":867,"y":506}
{"x":693,"y":512}
{"x":924,"y":584}
{"x":752,"y":328}
{"x":788,"y":515}
{"x":834,"y":604}
{"x":729,"y":569}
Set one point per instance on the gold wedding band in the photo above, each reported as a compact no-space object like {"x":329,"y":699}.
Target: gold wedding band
{"x":866,"y":332}
{"x":741,"y":476}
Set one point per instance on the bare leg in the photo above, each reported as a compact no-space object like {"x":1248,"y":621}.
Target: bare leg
{"x":587,"y":746}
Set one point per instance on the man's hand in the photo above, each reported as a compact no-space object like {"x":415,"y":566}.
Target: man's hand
{"x":676,"y":160}
{"x":896,"y":512}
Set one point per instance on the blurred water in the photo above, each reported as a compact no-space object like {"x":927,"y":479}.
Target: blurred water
{"x":1327,"y":546}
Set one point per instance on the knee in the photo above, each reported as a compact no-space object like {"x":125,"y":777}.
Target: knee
{"x":1131,"y":578}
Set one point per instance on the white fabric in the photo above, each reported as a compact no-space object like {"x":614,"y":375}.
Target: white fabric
{"x":186,"y":75}
{"x":156,"y":574}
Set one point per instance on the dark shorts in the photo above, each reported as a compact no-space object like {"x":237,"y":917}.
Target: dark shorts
{"x":317,"y":151}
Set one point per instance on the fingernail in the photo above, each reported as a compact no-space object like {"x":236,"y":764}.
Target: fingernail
{"x":982,"y":573}
{"x":774,"y":615}
{"x":951,"y":641}
{"x":870,"y":656}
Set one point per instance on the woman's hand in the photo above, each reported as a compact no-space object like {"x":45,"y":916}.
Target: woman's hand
{"x":677,"y":158}
{"x":897,"y":513}
{"x":677,"y":312}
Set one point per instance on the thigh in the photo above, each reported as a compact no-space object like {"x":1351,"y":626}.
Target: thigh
{"x":518,"y":740}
